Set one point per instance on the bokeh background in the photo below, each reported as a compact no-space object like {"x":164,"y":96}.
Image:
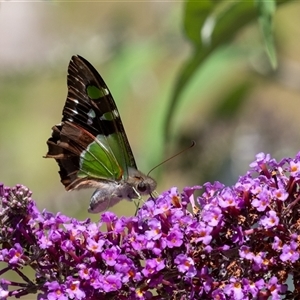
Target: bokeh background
{"x":136,"y":47}
{"x":234,"y":106}
{"x":178,"y":72}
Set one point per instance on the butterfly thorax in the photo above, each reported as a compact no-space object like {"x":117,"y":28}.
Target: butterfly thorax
{"x":108,"y":193}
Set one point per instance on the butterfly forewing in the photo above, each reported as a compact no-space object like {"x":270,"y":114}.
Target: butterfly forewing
{"x":96,"y":110}
{"x":104,"y":150}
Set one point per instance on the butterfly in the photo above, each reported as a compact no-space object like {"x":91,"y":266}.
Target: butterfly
{"x":90,"y":144}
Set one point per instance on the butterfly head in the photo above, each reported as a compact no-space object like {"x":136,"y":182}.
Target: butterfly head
{"x":142,"y":184}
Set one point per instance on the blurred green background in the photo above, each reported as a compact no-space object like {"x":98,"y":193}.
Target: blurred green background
{"x":178,"y":71}
{"x":199,"y":67}
{"x":136,"y":47}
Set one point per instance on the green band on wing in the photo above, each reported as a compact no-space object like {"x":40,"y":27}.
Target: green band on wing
{"x":95,"y":93}
{"x":98,"y":162}
{"x":118,"y":150}
{"x":108,"y":116}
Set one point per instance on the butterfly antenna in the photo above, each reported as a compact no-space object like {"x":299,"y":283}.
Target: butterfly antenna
{"x":173,"y":156}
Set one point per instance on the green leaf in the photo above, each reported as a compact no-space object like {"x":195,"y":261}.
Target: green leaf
{"x":228,"y":20}
{"x":194,"y":17}
{"x":266,"y":11}
{"x":210,"y":25}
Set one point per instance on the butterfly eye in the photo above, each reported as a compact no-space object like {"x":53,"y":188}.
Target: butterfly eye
{"x":142,"y":187}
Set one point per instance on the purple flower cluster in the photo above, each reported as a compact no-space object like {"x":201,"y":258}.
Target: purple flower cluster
{"x":239,"y":242}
